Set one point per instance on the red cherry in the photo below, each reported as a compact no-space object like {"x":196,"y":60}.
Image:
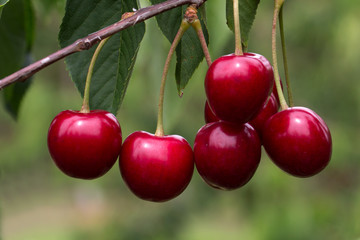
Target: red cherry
{"x":269,"y":108}
{"x":237,"y":86}
{"x":156,"y":168}
{"x":84,"y":145}
{"x":227,"y":155}
{"x":209,"y":114}
{"x":298,"y":141}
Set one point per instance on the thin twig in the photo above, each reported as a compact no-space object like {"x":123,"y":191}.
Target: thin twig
{"x":92,"y":39}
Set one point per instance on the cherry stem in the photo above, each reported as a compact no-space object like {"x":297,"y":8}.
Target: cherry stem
{"x":160,"y":125}
{"x":191,"y":17}
{"x":85,"y":108}
{"x":238,"y":46}
{"x":197,"y":26}
{"x":283,"y":104}
{"x":286,"y":69}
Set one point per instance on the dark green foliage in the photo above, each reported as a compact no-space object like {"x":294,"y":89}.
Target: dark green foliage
{"x":247,"y":12}
{"x":2,"y":4}
{"x":189,"y":53}
{"x":115,"y":63}
{"x":16,"y":38}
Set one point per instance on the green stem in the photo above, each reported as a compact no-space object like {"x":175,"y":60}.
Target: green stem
{"x":85,"y":108}
{"x":286,"y":69}
{"x":283,"y":103}
{"x":160,"y":126}
{"x":238,"y":47}
{"x":197,"y":26}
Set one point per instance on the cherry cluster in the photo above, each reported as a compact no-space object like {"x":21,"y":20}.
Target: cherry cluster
{"x":241,"y":114}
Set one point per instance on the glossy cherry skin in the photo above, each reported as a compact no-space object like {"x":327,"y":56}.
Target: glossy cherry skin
{"x":209,"y":115}
{"x":266,"y":63}
{"x":156,"y":168}
{"x":269,"y":108}
{"x":298,"y":141}
{"x":227,"y":155}
{"x":84,"y":145}
{"x":237,"y":86}
{"x":270,"y":72}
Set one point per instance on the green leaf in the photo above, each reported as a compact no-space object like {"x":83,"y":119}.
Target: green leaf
{"x":15,"y":93}
{"x":202,"y":11}
{"x":247,"y":12}
{"x":29,"y":26}
{"x":2,"y":4}
{"x":189,"y":53}
{"x":16,"y":37}
{"x":113,"y":68}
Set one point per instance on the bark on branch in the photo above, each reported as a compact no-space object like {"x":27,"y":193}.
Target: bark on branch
{"x":92,"y":39}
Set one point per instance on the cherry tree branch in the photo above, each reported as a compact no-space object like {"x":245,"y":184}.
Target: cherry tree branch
{"x":92,"y":39}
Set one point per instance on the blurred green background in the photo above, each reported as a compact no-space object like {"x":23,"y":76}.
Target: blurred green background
{"x":39,"y":202}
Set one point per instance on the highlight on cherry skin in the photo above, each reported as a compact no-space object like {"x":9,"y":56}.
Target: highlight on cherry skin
{"x":84,"y":145}
{"x":298,"y":141}
{"x":156,"y":168}
{"x":237,"y":86}
{"x":227,"y":155}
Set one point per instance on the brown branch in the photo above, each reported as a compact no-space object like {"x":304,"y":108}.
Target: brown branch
{"x":89,"y":41}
